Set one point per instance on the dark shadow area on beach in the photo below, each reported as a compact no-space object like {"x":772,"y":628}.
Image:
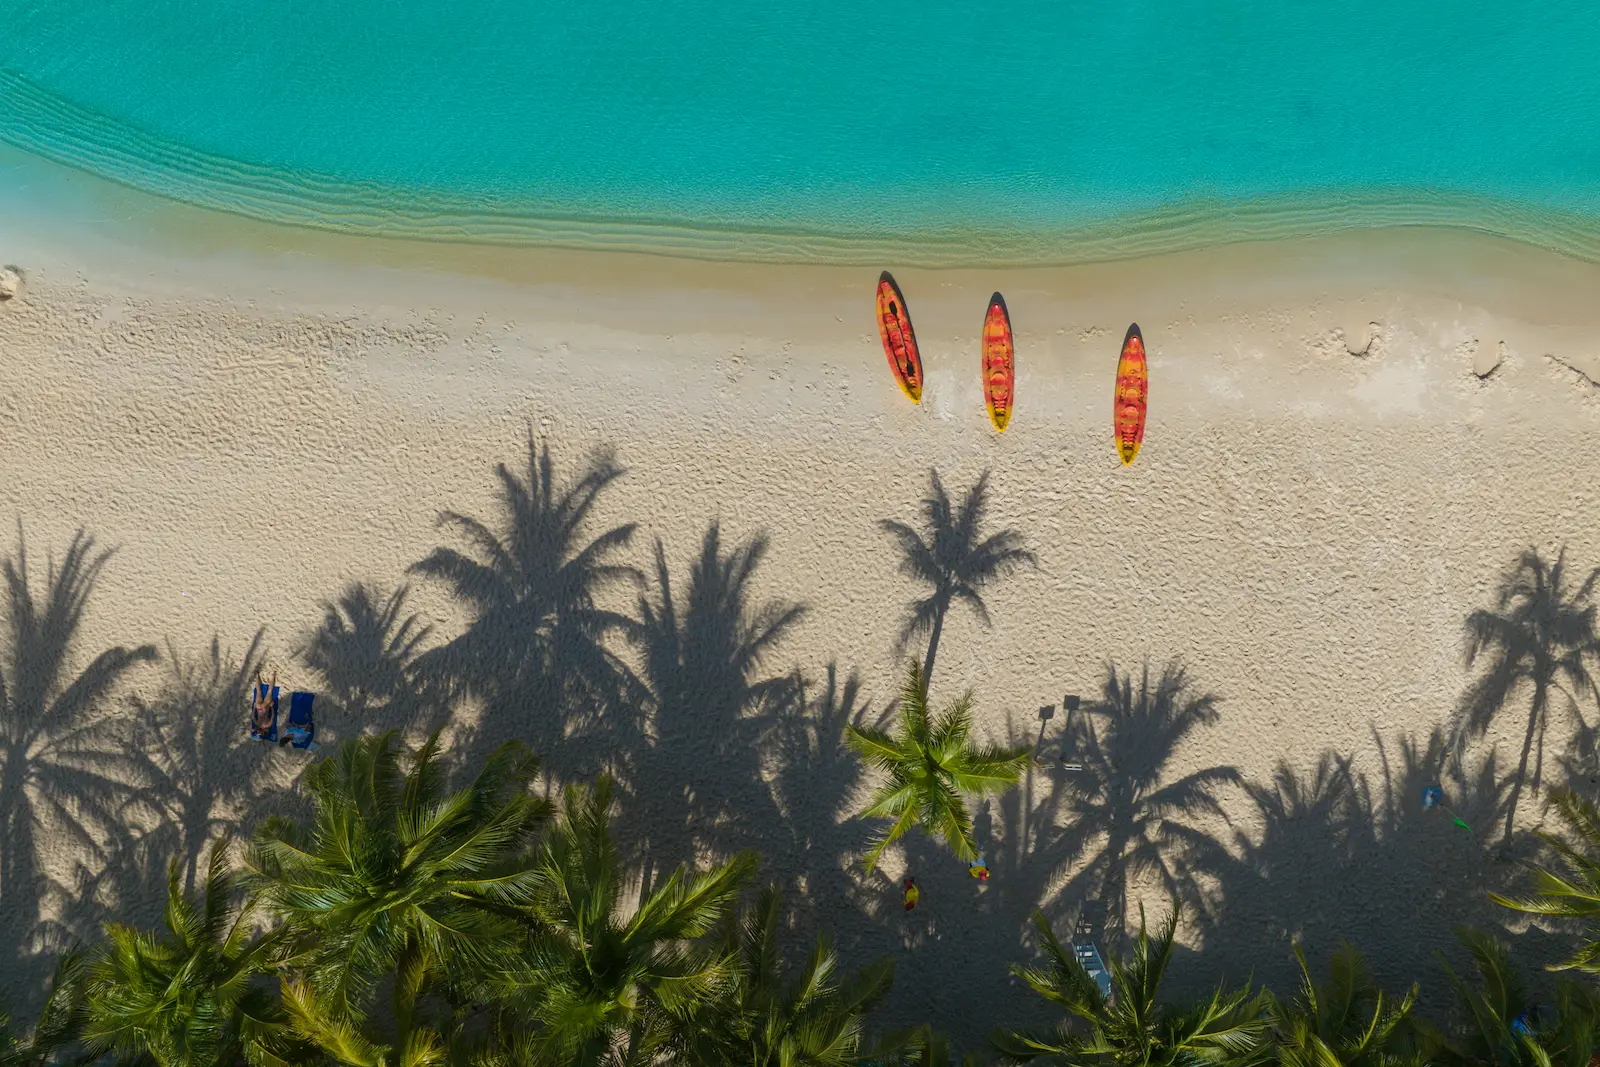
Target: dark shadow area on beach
{"x":367,"y":653}
{"x":196,"y":778}
{"x":535,"y":657}
{"x":698,"y":776}
{"x":1386,"y":874}
{"x":718,"y":745}
{"x":63,"y":740}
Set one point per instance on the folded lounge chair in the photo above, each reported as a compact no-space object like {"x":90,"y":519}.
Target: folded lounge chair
{"x":264,"y":713}
{"x":302,"y":729}
{"x":1091,"y":918}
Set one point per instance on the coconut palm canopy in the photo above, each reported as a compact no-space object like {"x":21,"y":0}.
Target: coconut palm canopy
{"x":396,"y":873}
{"x":932,"y":767}
{"x":1133,"y":1025}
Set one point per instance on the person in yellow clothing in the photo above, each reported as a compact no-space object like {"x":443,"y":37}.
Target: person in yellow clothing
{"x":912,"y":893}
{"x":979,"y":869}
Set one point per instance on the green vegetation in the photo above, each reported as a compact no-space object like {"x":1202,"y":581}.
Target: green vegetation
{"x":409,"y":901}
{"x":1133,"y":1025}
{"x":933,"y":766}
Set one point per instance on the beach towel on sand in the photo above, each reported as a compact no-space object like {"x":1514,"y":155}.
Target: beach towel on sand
{"x":302,"y":729}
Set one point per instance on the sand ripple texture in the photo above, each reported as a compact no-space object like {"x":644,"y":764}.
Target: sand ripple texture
{"x":1306,"y":526}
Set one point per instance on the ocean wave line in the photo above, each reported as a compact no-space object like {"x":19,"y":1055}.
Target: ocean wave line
{"x":38,"y":121}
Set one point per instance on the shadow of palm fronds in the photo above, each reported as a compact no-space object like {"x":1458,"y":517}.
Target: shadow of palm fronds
{"x":535,"y":653}
{"x":710,"y":705}
{"x":64,"y":765}
{"x":367,"y":650}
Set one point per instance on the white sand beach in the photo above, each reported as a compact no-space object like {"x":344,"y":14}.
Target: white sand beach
{"x":1326,"y":489}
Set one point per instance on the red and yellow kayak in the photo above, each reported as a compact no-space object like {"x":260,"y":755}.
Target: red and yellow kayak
{"x":899,"y":343}
{"x":999,"y":370}
{"x":1132,"y":396}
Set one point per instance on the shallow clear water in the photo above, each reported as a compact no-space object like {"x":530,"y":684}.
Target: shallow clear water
{"x":1064,"y":130}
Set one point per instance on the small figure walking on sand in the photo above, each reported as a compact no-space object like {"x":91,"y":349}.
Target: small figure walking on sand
{"x":979,"y":869}
{"x":912,"y":893}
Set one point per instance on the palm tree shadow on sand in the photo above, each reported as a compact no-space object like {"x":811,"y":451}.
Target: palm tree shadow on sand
{"x":198,"y":778}
{"x":951,"y":555}
{"x":368,"y":652}
{"x":700,"y":777}
{"x":1136,"y":822}
{"x":63,"y":742}
{"x":1063,"y":839}
{"x":1540,"y":633}
{"x":535,"y":655}
{"x":816,"y":785}
{"x":1346,"y":855}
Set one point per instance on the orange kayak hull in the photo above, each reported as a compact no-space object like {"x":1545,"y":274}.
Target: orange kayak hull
{"x":1132,"y":397}
{"x":999,"y":363}
{"x":899,"y":342}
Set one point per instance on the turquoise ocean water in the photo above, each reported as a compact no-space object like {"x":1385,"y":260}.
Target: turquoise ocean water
{"x":929,"y":130}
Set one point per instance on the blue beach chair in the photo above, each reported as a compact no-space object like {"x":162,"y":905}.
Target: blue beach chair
{"x":264,"y":712}
{"x":302,"y":729}
{"x":1085,"y":932}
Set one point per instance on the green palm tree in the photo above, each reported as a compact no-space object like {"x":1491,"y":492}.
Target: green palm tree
{"x":536,"y":649}
{"x":951,"y":556}
{"x":1132,"y":1027}
{"x":764,"y":1020}
{"x":933,"y":768}
{"x":922,"y":1047}
{"x":64,"y":766}
{"x":1345,"y":1022}
{"x":1539,"y":633}
{"x":188,"y":998}
{"x":59,"y":1023}
{"x":600,"y":981}
{"x":1503,"y":1029}
{"x":1573,"y":891}
{"x":397,"y":875}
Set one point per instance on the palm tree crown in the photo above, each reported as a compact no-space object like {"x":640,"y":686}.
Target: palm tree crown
{"x":187,"y":999}
{"x":1131,"y":1027}
{"x":933,"y":768}
{"x":594,"y":975}
{"x":951,"y":556}
{"x":1539,"y":633}
{"x":1345,"y":1022}
{"x":59,"y":1023}
{"x":763,"y":1020}
{"x":396,"y":874}
{"x":1573,"y":892}
{"x":1502,"y":1028}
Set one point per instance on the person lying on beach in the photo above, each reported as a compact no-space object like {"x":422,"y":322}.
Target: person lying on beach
{"x":264,"y":707}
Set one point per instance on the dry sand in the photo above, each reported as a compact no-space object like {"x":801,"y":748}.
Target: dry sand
{"x":1327,"y":486}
